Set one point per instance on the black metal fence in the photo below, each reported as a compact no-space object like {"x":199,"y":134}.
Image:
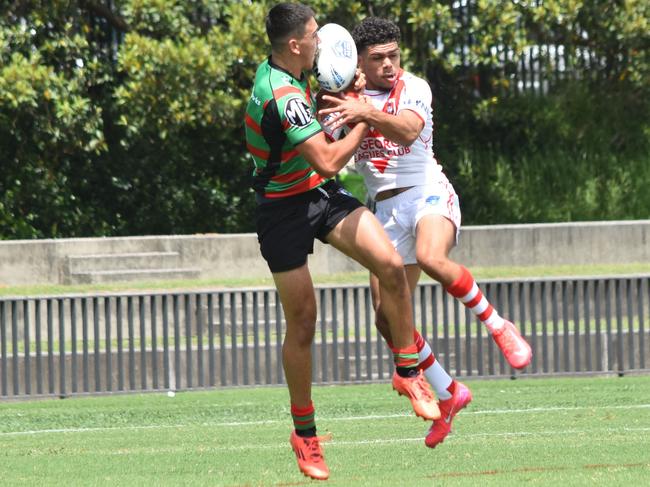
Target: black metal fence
{"x":68,"y":345}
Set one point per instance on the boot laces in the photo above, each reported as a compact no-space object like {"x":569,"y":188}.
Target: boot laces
{"x":312,"y":445}
{"x":423,"y":389}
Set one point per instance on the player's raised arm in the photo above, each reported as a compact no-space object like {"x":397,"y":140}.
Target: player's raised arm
{"x":327,"y":158}
{"x":403,"y":128}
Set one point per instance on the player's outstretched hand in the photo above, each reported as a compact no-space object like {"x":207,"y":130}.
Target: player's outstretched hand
{"x":344,"y":110}
{"x":359,"y":83}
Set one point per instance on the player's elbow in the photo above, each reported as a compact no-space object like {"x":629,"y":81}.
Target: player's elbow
{"x":327,"y":164}
{"x":326,"y":171}
{"x":405,"y":138}
{"x":410,"y":136}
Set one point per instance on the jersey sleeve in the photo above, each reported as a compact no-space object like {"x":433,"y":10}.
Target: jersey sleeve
{"x":416,"y":97}
{"x":334,"y":134}
{"x":298,"y":120}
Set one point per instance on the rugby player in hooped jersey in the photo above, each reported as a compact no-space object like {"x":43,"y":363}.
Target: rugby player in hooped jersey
{"x":415,"y":202}
{"x":297,"y":202}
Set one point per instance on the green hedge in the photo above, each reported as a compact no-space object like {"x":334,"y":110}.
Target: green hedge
{"x":145,"y":136}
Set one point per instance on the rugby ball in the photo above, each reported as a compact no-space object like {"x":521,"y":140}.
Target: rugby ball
{"x":335,"y":63}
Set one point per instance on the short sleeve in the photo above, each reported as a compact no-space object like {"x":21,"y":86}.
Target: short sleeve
{"x":417,"y":97}
{"x":298,"y":120}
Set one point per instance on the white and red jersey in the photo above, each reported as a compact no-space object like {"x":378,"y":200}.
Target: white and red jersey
{"x":387,"y":165}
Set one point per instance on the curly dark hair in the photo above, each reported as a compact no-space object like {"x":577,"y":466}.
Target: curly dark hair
{"x":375,"y":30}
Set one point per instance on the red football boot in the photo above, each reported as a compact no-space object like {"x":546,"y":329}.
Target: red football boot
{"x":418,"y":391}
{"x":448,"y":409}
{"x":516,"y":350}
{"x":310,"y":456}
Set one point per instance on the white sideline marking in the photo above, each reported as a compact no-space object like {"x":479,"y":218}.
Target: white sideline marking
{"x":334,"y":443}
{"x":452,"y":437}
{"x":345,"y":418}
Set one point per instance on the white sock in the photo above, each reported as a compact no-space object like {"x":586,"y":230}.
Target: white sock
{"x":438,"y":377}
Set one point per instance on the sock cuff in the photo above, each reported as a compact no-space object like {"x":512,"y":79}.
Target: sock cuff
{"x":411,"y":349}
{"x":297,"y":411}
{"x":419,"y":340}
{"x":427,"y":362}
{"x":461,"y":286}
{"x":406,"y":357}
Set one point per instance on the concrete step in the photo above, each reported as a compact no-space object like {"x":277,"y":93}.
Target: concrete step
{"x":122,"y":261}
{"x":104,"y":276}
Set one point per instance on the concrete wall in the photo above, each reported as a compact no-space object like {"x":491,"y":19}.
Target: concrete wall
{"x":215,"y":256}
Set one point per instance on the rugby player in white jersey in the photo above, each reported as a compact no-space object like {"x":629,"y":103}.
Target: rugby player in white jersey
{"x":414,"y":200}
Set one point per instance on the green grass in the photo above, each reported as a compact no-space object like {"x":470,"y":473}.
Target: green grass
{"x":360,"y":277}
{"x":568,"y":431}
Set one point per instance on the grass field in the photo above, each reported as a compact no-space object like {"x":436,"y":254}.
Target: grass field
{"x":566,"y":431}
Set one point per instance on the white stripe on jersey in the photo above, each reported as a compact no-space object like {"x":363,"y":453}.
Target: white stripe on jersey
{"x":387,"y":165}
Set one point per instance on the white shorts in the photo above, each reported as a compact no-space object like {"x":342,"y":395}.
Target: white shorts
{"x":400,"y":214}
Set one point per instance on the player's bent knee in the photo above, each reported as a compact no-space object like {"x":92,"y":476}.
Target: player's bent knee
{"x":394,"y":262}
{"x":301,"y":333}
{"x":432,"y":264}
{"x":392,"y":276}
{"x":301,"y":322}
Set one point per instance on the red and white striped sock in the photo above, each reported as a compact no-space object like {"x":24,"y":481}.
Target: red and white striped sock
{"x":438,"y":377}
{"x":467,"y":291}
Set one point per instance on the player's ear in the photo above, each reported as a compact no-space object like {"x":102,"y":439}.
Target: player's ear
{"x":294,"y":46}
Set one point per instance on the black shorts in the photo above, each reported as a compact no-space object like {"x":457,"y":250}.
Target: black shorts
{"x":286,"y":228}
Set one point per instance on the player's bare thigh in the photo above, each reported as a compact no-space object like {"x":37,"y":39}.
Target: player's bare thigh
{"x":361,"y":237}
{"x":435,"y":235}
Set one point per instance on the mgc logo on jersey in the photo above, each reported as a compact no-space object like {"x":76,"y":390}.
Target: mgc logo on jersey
{"x":297,"y":112}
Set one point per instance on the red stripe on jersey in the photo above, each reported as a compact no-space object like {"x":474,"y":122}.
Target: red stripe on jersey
{"x":252,"y":124}
{"x":286,"y":156}
{"x":392,"y":103}
{"x":302,"y":187}
{"x":285,"y":178}
{"x":285,"y":90}
{"x":262,"y":154}
{"x":380,"y":164}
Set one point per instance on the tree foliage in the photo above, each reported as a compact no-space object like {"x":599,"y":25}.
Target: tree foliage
{"x":128,"y":120}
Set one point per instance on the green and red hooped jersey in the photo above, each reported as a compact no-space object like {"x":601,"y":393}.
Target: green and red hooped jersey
{"x":279,"y":116}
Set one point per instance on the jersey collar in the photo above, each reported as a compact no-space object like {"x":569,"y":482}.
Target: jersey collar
{"x":275,"y":66}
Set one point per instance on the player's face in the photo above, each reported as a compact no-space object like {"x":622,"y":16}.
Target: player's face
{"x":308,"y":44}
{"x":380,"y":64}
